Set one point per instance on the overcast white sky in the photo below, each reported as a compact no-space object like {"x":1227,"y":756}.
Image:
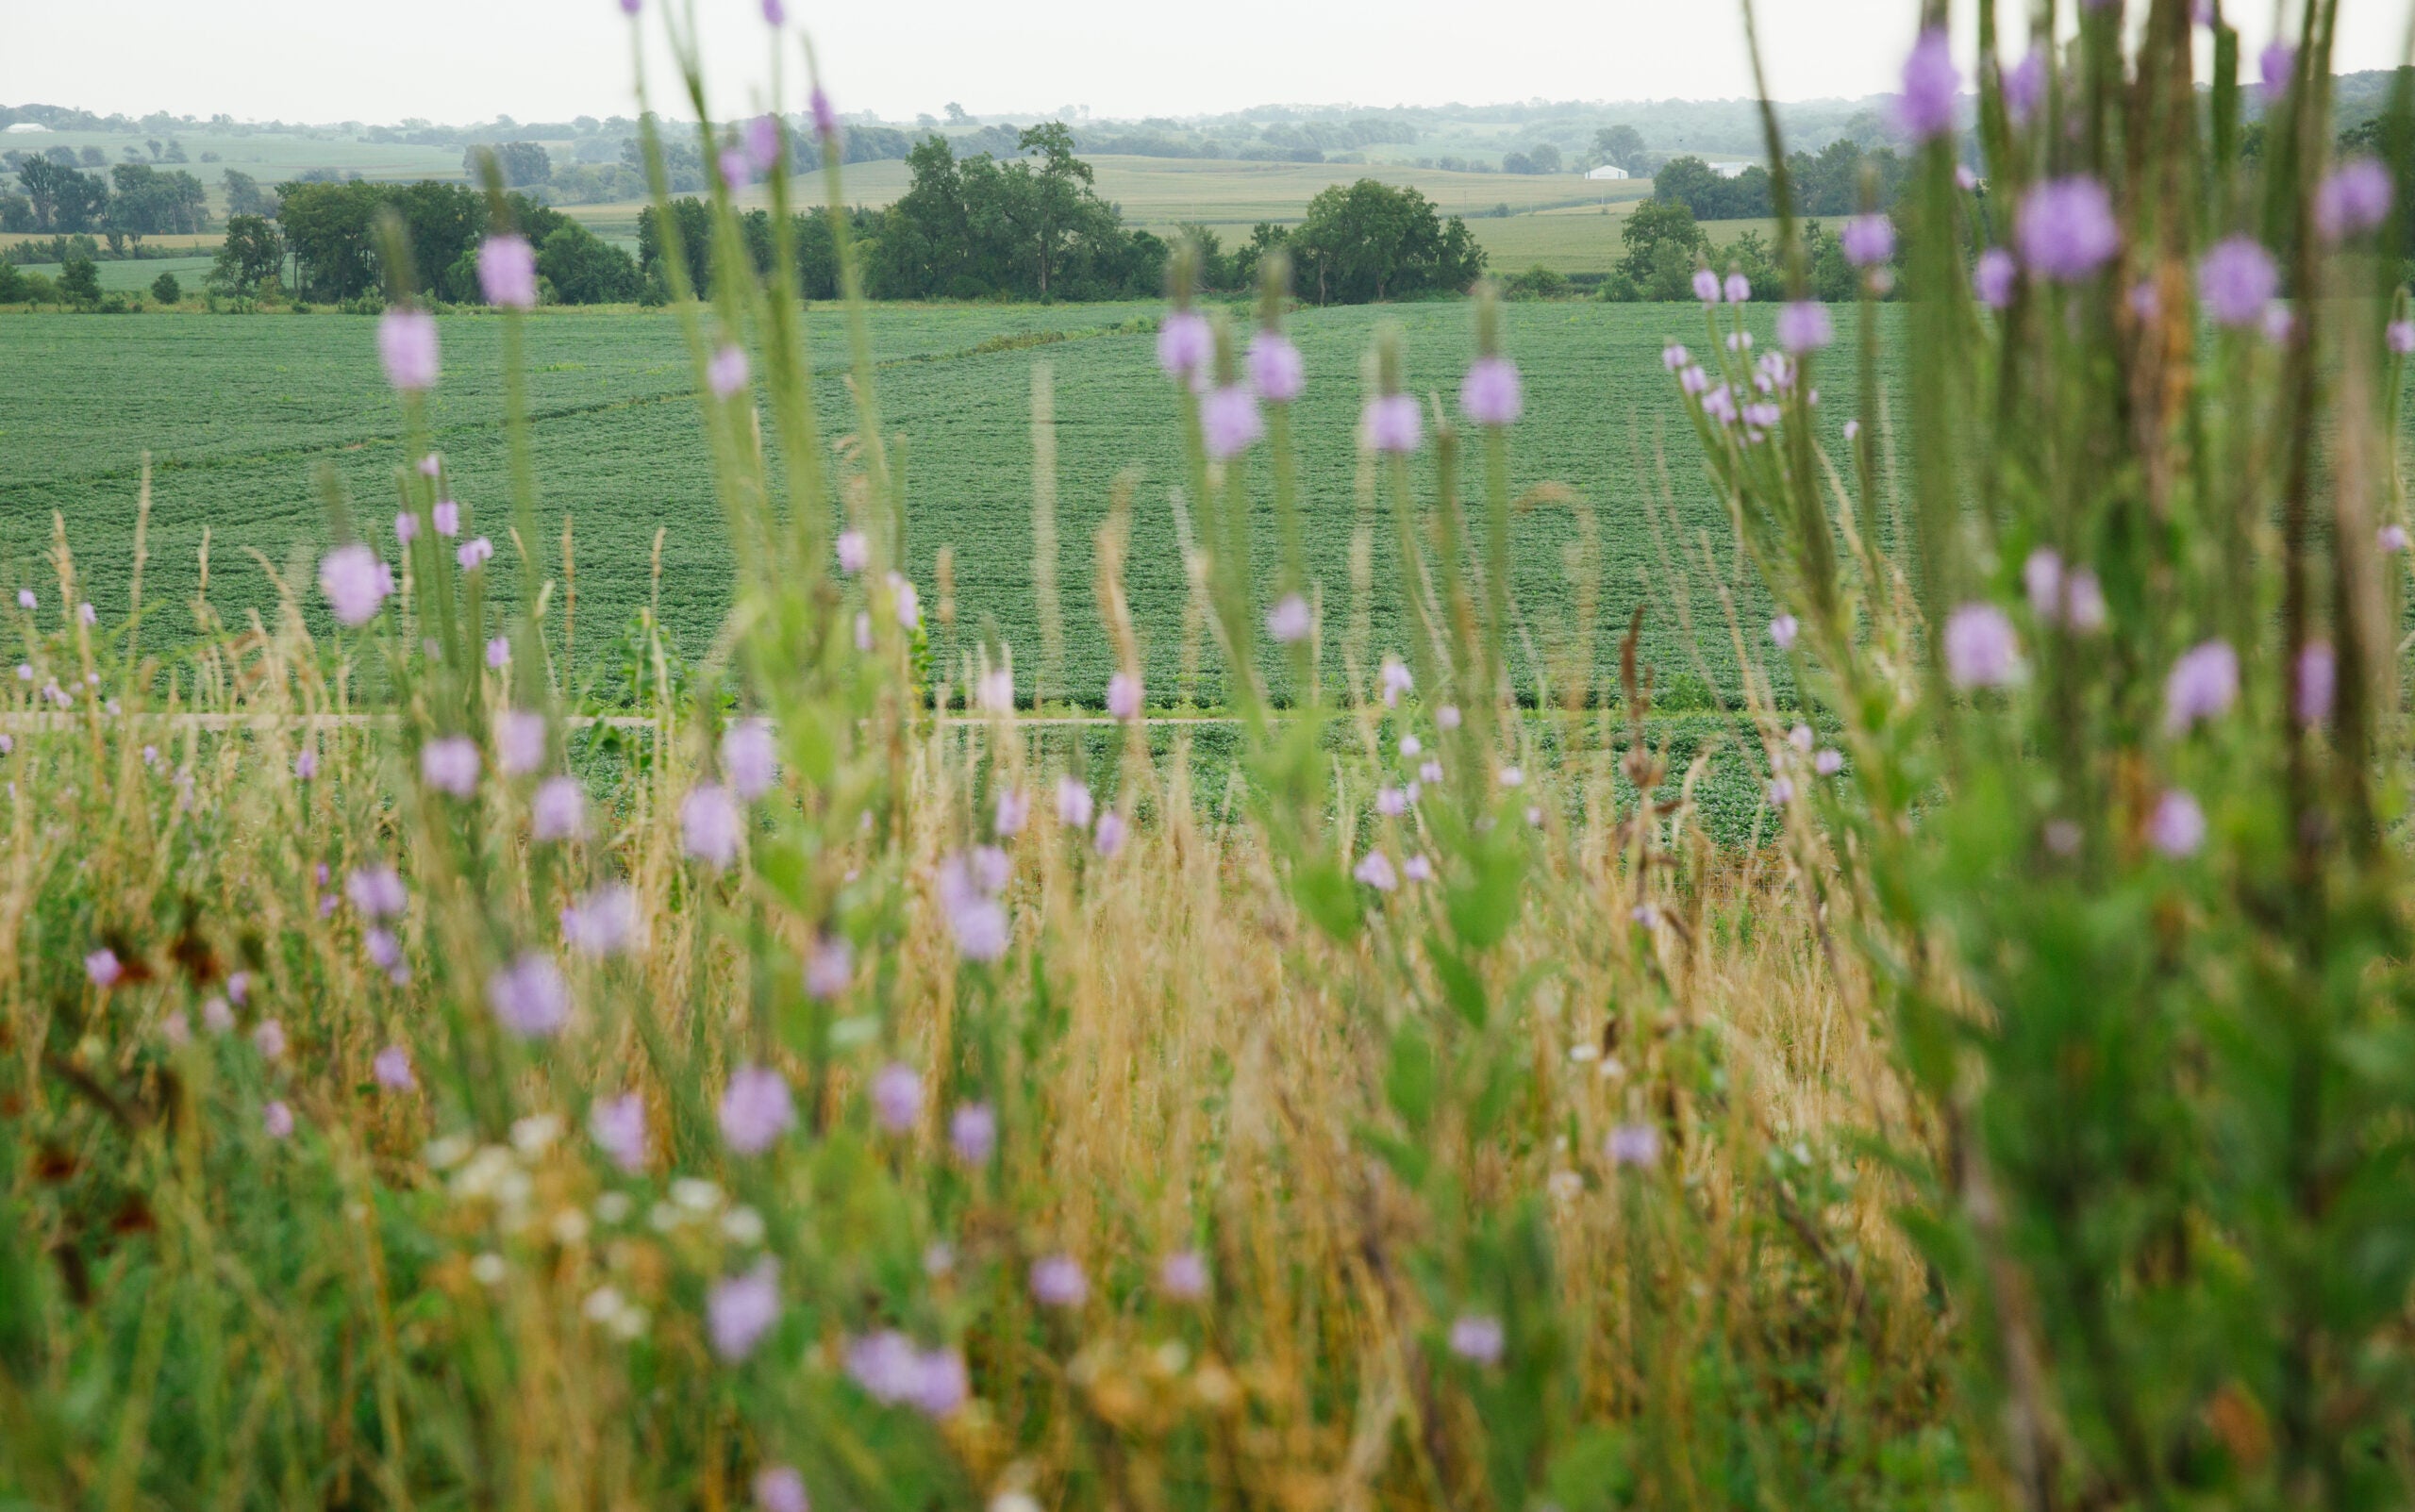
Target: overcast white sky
{"x":462,"y":61}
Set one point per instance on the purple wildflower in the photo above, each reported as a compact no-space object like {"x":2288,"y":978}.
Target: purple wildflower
{"x":1107,"y":838}
{"x":2065,"y":228}
{"x":2400,"y":337}
{"x":1391,"y":802}
{"x":2317,"y":681}
{"x":1390,"y":424}
{"x":528,"y":998}
{"x":405,"y":527}
{"x":1057,"y":1281}
{"x":1490,"y":394}
{"x":2354,"y":198}
{"x":1980,"y":650}
{"x":603,"y":922}
{"x":277,"y":1120}
{"x":268,"y":1037}
{"x":238,"y":986}
{"x":1123,"y":696}
{"x":2275,"y":69}
{"x":2391,"y":538}
{"x":474,"y":553}
{"x":1926,"y":108}
{"x":2202,"y":684}
{"x":708,"y":822}
{"x":393,"y":1068}
{"x":2236,"y":280}
{"x":1803,"y":326}
{"x":447,"y":516}
{"x":499,"y":652}
{"x":975,"y":918}
{"x":775,"y":13}
{"x":1288,"y":622}
{"x":508,"y":272}
{"x":1183,"y":1276}
{"x":1829,"y":762}
{"x":519,"y":742}
{"x":450,"y":764}
{"x":1374,"y":869}
{"x":942,"y":1383}
{"x":618,"y":1125}
{"x":781,"y":1489}
{"x":825,"y":115}
{"x":377,"y":892}
{"x":1478,"y":1340}
{"x":748,"y":758}
{"x":756,"y":1109}
{"x":829,"y":968}
{"x":1275,"y":370}
{"x":1185,"y":346}
{"x":1738,"y":288}
{"x":739,"y":1311}
{"x":897,"y":1097}
{"x":1013,"y":811}
{"x":727,"y":372}
{"x":2177,"y":826}
{"x":2024,"y":88}
{"x":558,"y":811}
{"x":1418,"y":868}
{"x":1633,"y":1144}
{"x":354,"y":582}
{"x":1868,"y":241}
{"x":1229,"y":421}
{"x":973,"y":1133}
{"x":385,"y":951}
{"x":102,"y":966}
{"x":407,"y":346}
{"x":216,"y":1016}
{"x":736,"y":171}
{"x":1073,"y":803}
{"x":1783,"y":630}
{"x":763,"y":140}
{"x":854,"y":552}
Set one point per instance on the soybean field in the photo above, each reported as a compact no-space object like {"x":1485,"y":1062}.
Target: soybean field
{"x":242,"y":418}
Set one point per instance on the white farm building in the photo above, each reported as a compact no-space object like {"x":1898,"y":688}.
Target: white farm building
{"x":1607,"y":171}
{"x":25,"y":128}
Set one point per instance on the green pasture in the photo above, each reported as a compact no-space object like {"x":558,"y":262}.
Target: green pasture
{"x":241,"y":414}
{"x":141,"y":272}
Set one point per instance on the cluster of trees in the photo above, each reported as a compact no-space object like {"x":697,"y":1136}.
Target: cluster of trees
{"x":1032,"y":228}
{"x":329,"y":237}
{"x":1358,"y":243}
{"x":816,"y":246}
{"x":522,"y":163}
{"x":1664,"y":245}
{"x":132,"y":199}
{"x":1541,"y":159}
{"x":1828,"y":182}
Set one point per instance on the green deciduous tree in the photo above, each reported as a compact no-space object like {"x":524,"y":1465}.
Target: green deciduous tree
{"x":1371,"y":240}
{"x":249,"y":256}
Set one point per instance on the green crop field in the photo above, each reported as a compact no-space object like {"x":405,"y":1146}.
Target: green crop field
{"x":239,"y":414}
{"x":141,"y":272}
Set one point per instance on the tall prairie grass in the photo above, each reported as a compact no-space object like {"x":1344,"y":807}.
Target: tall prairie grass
{"x":820,"y":1086}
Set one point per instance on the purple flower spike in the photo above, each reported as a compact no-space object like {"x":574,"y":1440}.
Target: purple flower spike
{"x":447,"y":516}
{"x":1390,"y":424}
{"x":1123,"y":696}
{"x":529,"y":997}
{"x":1804,"y":326}
{"x":1275,"y":370}
{"x":2275,"y":69}
{"x":2400,"y":337}
{"x":558,"y":811}
{"x":354,"y":582}
{"x":1057,"y":1281}
{"x":2237,"y":279}
{"x":897,"y":1097}
{"x":1374,"y":869}
{"x":736,"y":170}
{"x":973,"y":1133}
{"x":830,"y":967}
{"x":1868,"y":241}
{"x":825,"y":116}
{"x":749,"y":758}
{"x":727,"y":372}
{"x":1707,"y":285}
{"x":775,"y":13}
{"x":1183,"y":1276}
{"x":781,"y":1489}
{"x":393,"y":1068}
{"x":1994,"y":278}
{"x":450,"y":765}
{"x":508,"y":272}
{"x":1185,"y":346}
{"x":2354,"y":199}
{"x":2203,"y":685}
{"x":519,"y":742}
{"x":1926,"y":108}
{"x":407,"y":346}
{"x":499,"y":652}
{"x":1229,"y":421}
{"x":2178,"y":826}
{"x":1738,"y":288}
{"x":741,"y":1309}
{"x":2318,"y":680}
{"x":756,"y":1109}
{"x":2065,"y":228}
{"x":618,"y":1124}
{"x":1980,"y":650}
{"x":277,"y":1120}
{"x":103,"y":967}
{"x":474,"y":553}
{"x":975,"y":918}
{"x":764,"y":139}
{"x":1289,"y":621}
{"x":1478,"y":1340}
{"x":708,"y":822}
{"x":2024,"y":87}
{"x":1633,"y":1144}
{"x":377,"y":892}
{"x":1783,"y":630}
{"x":1490,"y":394}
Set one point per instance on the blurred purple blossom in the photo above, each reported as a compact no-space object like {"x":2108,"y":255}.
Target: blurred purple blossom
{"x":2275,"y":69}
{"x":1374,"y":869}
{"x":2202,"y":684}
{"x":1490,"y":394}
{"x":2065,"y":228}
{"x":508,"y":272}
{"x":749,"y":758}
{"x":2354,"y":198}
{"x":855,"y":550}
{"x":407,"y":346}
{"x":1478,"y":1340}
{"x":2177,"y":826}
{"x":781,"y":1489}
{"x":519,"y":742}
{"x":1980,"y":648}
{"x":558,"y":811}
{"x":1390,"y":424}
{"x":618,"y":1125}
{"x":708,"y":824}
{"x":1289,"y":621}
{"x":829,"y":968}
{"x":739,"y":1310}
{"x":756,"y":1109}
{"x":1123,"y":696}
{"x":1229,"y":421}
{"x":602,"y":923}
{"x":377,"y":892}
{"x":1057,"y":1281}
{"x":2236,"y":280}
{"x":973,"y":1133}
{"x":1868,"y":241}
{"x":450,"y":764}
{"x":393,"y":1068}
{"x":354,"y":582}
{"x":897,"y":1097}
{"x":447,"y":516}
{"x":1185,"y":346}
{"x":1926,"y":108}
{"x":277,"y":1120}
{"x":727,"y":372}
{"x":529,"y":997}
{"x":1275,"y":369}
{"x":2318,"y":680}
{"x":1182,"y":1276}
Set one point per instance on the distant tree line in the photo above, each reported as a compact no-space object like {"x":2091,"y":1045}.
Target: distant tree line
{"x":1358,"y":243}
{"x":132,"y":200}
{"x":1664,"y":245}
{"x":1828,"y":182}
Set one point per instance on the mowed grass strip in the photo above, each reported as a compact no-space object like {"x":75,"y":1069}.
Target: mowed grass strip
{"x":239,"y":415}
